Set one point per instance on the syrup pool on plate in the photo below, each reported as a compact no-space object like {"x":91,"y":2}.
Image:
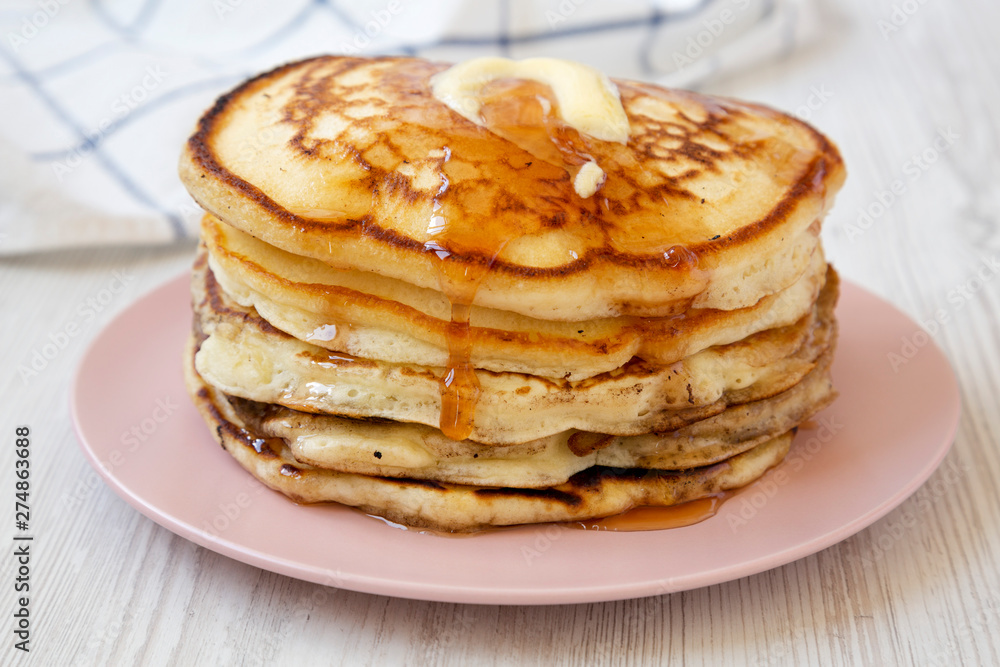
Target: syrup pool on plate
{"x":657,"y":518}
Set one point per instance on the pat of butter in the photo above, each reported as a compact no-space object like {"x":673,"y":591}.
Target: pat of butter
{"x":588,"y":101}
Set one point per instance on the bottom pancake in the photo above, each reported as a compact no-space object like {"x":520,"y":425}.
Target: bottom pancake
{"x":595,"y":492}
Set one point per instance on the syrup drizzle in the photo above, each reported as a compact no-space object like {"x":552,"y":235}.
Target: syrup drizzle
{"x":460,"y":388}
{"x":523,"y":113}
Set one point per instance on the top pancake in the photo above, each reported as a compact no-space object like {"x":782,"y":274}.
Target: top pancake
{"x":352,"y":161}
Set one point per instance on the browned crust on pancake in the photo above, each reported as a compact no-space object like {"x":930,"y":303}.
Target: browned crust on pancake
{"x":823,"y":170}
{"x":810,"y":342}
{"x":215,"y":303}
{"x":667,"y":339}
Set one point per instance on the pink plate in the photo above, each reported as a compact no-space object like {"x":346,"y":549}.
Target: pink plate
{"x":885,"y":435}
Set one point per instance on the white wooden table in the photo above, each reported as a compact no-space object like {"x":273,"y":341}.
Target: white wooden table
{"x":109,"y":586}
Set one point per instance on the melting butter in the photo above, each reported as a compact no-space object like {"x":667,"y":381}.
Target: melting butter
{"x":588,"y":179}
{"x":588,"y":101}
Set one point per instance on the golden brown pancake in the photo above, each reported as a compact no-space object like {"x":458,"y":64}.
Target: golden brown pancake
{"x":352,"y":161}
{"x":244,"y":355}
{"x":378,"y":318}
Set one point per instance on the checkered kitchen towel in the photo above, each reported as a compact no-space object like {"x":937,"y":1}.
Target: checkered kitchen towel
{"x":97,"y":97}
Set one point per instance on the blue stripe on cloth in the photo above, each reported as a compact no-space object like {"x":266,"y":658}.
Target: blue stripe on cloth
{"x":74,"y":63}
{"x":91,"y":142}
{"x":290,"y":26}
{"x":137,"y":193}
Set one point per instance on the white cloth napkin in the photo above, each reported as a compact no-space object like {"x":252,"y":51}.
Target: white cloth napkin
{"x":97,"y":98}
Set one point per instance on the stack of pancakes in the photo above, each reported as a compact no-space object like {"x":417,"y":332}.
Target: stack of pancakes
{"x":417,"y":315}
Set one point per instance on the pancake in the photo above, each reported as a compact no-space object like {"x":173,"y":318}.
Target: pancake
{"x":595,"y":492}
{"x":711,"y":204}
{"x":245,"y":356}
{"x":365,"y":316}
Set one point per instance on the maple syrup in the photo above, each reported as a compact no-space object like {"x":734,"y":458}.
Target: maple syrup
{"x":658,"y":518}
{"x":459,"y":283}
{"x":524,"y":113}
{"x":635,"y":519}
{"x":459,"y":387}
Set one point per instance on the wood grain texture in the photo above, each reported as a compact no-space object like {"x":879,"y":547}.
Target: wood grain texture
{"x":921,"y":586}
